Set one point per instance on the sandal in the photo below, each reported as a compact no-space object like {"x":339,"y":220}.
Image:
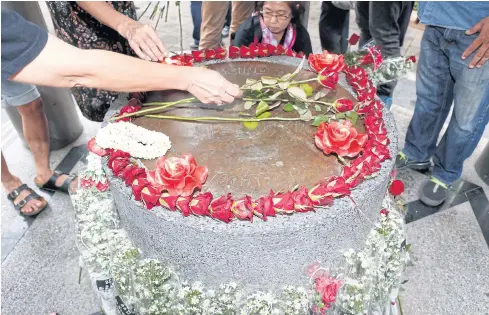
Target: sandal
{"x":51,"y":186}
{"x":21,"y":204}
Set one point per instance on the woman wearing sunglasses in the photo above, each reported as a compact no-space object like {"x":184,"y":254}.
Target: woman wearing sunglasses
{"x":276,"y":22}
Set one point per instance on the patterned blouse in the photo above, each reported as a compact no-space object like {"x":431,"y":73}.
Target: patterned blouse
{"x":78,"y":28}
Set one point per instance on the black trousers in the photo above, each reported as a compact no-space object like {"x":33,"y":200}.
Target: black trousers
{"x":333,"y":28}
{"x":386,"y":22}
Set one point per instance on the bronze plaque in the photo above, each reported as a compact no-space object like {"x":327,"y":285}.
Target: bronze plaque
{"x":276,"y":155}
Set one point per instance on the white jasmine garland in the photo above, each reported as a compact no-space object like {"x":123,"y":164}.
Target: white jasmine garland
{"x":135,"y":140}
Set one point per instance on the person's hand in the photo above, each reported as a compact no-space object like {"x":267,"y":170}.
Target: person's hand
{"x":210,"y":87}
{"x":143,"y":40}
{"x":481,"y":43}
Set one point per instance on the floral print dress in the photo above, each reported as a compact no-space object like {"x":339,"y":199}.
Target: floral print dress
{"x":78,"y":28}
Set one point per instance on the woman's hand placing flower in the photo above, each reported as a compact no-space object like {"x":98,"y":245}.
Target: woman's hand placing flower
{"x":210,"y":87}
{"x":143,"y":40}
{"x":340,"y":138}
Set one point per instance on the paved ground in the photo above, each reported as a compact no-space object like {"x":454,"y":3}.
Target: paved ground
{"x":448,"y":274}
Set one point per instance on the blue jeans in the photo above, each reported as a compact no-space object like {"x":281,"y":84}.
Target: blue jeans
{"x":442,"y":78}
{"x":196,"y":12}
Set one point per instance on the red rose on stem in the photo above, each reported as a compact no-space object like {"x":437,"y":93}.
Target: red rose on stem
{"x":328,"y":79}
{"x":354,"y":38}
{"x":150,"y":196}
{"x":327,"y":287}
{"x":183,"y":205}
{"x":302,"y":201}
{"x":131,"y":107}
{"x":326,"y":61}
{"x":169,"y":201}
{"x":340,"y":138}
{"x":220,"y":208}
{"x":263,"y":207}
{"x":243,"y":209}
{"x":343,"y":105}
{"x":283,"y":202}
{"x":200,"y":204}
{"x":397,"y":187}
{"x":178,"y":176}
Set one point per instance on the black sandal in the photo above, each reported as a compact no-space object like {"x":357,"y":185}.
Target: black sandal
{"x":51,"y":186}
{"x":21,"y":204}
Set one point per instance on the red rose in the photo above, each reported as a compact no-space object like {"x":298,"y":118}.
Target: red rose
{"x":137,"y":186}
{"x":233,"y":52}
{"x":243,"y":209}
{"x":95,"y":148}
{"x":354,"y":39}
{"x":412,"y":59}
{"x":198,"y":55}
{"x":300,"y":55}
{"x":323,"y":193}
{"x":302,"y":201}
{"x":327,"y":287}
{"x":244,"y":52}
{"x":290,"y":53}
{"x":328,"y":79}
{"x":200,"y":204}
{"x":340,"y":138}
{"x":119,"y":165}
{"x":262,"y":50}
{"x":102,"y":186}
{"x":384,"y":212}
{"x":397,"y":187}
{"x":169,"y":201}
{"x":131,"y":107}
{"x":343,"y":105}
{"x":210,"y":54}
{"x":282,"y":202}
{"x":178,"y":176}
{"x":86,"y":183}
{"x":263,"y":207}
{"x":150,"y":196}
{"x":280,"y":50}
{"x":220,"y":208}
{"x":326,"y":61}
{"x":253,"y":50}
{"x":221,"y":53}
{"x":183,"y":205}
{"x":133,"y":172}
{"x":272,"y":50}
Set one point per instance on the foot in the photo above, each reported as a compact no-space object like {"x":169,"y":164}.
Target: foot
{"x":194,"y":46}
{"x":32,"y":205}
{"x":42,"y":179}
{"x":434,"y":192}
{"x":225,"y":31}
{"x":402,"y":161}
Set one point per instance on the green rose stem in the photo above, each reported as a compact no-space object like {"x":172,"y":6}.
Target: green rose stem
{"x":154,"y":109}
{"x":222,"y":118}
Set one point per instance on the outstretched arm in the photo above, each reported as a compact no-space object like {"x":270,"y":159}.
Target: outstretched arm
{"x":63,"y":65}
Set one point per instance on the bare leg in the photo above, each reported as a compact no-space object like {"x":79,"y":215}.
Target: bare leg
{"x":11,"y":182}
{"x":35,"y":126}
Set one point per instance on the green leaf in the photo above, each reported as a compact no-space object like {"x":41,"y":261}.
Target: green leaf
{"x":283,"y":85}
{"x":340,"y":116}
{"x":257,"y":86}
{"x":319,"y":94}
{"x":352,"y":116}
{"x":269,"y":80}
{"x":319,"y":119}
{"x":297,"y":92}
{"x":274,"y":96}
{"x":249,"y":104}
{"x":251,"y":81}
{"x":408,"y":247}
{"x":307,"y":89}
{"x":289,"y":107}
{"x":261,"y":108}
{"x":307,"y":116}
{"x":264,"y":115}
{"x":301,"y":108}
{"x":317,"y":108}
{"x":251,"y":125}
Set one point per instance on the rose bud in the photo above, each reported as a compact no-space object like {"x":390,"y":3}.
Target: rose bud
{"x":221,"y":208}
{"x":243,"y":209}
{"x":200,"y":204}
{"x":133,"y":106}
{"x":183,"y":205}
{"x":397,"y":187}
{"x":150,"y":196}
{"x":302,"y":201}
{"x":343,"y":105}
{"x":169,"y":201}
{"x":263,"y":207}
{"x":137,"y":186}
{"x":102,"y":186}
{"x":283,"y":203}
{"x":354,"y":38}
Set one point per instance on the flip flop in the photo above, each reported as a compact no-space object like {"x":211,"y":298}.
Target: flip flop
{"x":21,"y":204}
{"x":51,"y":186}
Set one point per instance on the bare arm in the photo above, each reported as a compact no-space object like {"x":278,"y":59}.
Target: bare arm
{"x":63,"y":65}
{"x":142,"y":37}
